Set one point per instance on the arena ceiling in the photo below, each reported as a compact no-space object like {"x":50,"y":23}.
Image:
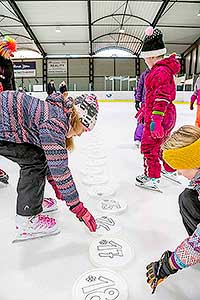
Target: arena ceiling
{"x":88,"y":26}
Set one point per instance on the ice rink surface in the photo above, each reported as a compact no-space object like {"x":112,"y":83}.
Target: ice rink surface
{"x":47,"y":268}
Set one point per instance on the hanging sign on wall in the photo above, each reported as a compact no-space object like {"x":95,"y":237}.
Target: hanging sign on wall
{"x":25,"y":69}
{"x":57,"y":67}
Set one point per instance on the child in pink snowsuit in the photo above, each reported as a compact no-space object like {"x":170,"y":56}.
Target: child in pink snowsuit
{"x":159,"y":110}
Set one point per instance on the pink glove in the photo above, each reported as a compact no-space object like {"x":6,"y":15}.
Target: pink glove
{"x":84,"y":215}
{"x":157,"y":131}
{"x":192,"y":100}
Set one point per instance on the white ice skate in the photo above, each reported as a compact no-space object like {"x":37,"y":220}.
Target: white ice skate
{"x":142,"y":178}
{"x":137,"y":144}
{"x":172,"y":176}
{"x":49,"y":204}
{"x":35,"y":227}
{"x":149,"y":184}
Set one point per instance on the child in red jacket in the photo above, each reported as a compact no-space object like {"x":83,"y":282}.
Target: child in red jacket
{"x":159,"y":110}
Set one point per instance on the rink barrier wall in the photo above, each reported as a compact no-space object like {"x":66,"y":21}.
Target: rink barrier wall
{"x":182,"y":97}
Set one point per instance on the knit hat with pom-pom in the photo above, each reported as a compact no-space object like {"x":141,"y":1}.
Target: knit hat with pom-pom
{"x":153,"y":44}
{"x":7,"y":47}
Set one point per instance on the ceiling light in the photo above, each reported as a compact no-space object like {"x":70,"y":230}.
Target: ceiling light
{"x":121,"y":30}
{"x":198,"y":14}
{"x":58,"y":29}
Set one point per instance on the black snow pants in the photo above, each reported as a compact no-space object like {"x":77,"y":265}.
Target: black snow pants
{"x":33,"y":170}
{"x":189,"y":205}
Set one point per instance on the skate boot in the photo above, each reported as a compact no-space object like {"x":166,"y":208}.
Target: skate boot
{"x":49,"y":204}
{"x":137,"y":144}
{"x":142,"y":178}
{"x":34,"y":227}
{"x":150,"y":184}
{"x":172,"y":176}
{"x":3,"y":177}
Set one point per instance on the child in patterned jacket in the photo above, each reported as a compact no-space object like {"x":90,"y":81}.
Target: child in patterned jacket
{"x":37,"y":135}
{"x":181,"y":151}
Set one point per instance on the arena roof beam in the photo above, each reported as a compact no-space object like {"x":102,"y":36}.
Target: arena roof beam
{"x":26,"y":26}
{"x":122,"y":22}
{"x":114,"y":15}
{"x":160,"y":12}
{"x":90,"y":25}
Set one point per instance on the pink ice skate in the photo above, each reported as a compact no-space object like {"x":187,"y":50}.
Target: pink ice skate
{"x":3,"y":177}
{"x":49,"y":204}
{"x":35,"y":227}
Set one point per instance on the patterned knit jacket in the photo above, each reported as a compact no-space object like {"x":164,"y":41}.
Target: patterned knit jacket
{"x":188,"y":252}
{"x":26,"y":119}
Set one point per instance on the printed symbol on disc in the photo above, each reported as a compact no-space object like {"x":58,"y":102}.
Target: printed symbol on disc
{"x":92,"y":171}
{"x":102,"y":192}
{"x":107,"y":225}
{"x":95,"y":179}
{"x":95,"y":162}
{"x":100,"y":284}
{"x":110,"y":252}
{"x":112,"y":205}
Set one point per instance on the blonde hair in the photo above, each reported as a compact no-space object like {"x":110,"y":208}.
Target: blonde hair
{"x":184,"y":136}
{"x":76,"y":125}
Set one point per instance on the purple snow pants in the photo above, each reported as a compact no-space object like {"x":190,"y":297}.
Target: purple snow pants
{"x":138,"y":132}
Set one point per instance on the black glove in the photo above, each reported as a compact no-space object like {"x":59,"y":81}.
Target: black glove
{"x":159,"y":270}
{"x":137,"y":105}
{"x":191,"y":106}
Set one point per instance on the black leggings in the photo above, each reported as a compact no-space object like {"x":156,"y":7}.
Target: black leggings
{"x":33,"y":170}
{"x":189,"y":205}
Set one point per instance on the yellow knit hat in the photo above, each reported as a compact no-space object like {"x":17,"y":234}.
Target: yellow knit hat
{"x":184,"y":158}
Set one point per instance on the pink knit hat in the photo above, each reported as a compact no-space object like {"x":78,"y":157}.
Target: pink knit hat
{"x":87,"y":108}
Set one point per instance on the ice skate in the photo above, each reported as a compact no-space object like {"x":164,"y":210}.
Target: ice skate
{"x":49,"y":204}
{"x":35,"y":227}
{"x":150,"y":184}
{"x":172,"y":176}
{"x":137,"y":144}
{"x":142,"y":178}
{"x":3,"y":177}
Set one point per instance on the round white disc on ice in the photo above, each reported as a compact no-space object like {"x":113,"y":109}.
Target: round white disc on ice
{"x":107,"y":225}
{"x":102,"y":192}
{"x":95,"y":179}
{"x":92,"y":171}
{"x":96,"y":155}
{"x":114,"y":206}
{"x":110,"y":252}
{"x":100,"y":284}
{"x":95,"y":162}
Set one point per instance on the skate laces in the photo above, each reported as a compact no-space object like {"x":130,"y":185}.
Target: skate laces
{"x":43,"y":221}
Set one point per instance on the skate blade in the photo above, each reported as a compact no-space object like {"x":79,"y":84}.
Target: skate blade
{"x":33,"y":237}
{"x":46,"y":210}
{"x":170,"y":179}
{"x":148,"y":188}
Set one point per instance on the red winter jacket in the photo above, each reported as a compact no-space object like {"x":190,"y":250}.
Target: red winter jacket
{"x":161,"y":89}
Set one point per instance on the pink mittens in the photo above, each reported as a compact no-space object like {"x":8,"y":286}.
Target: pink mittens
{"x":156,"y":128}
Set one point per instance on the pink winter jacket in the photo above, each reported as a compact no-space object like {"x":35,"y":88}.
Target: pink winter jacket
{"x":161,"y":89}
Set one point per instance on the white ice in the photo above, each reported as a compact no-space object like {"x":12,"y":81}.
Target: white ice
{"x":47,"y":268}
